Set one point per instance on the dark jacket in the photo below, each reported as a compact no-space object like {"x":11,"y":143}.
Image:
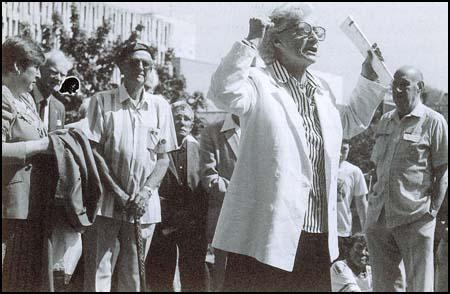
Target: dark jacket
{"x":183,"y":199}
{"x":56,"y":110}
{"x":78,"y":186}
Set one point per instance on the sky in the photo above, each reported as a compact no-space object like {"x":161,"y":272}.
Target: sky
{"x":413,"y":33}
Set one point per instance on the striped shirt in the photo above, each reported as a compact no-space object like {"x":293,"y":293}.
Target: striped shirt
{"x":303,"y":95}
{"x":130,"y":136}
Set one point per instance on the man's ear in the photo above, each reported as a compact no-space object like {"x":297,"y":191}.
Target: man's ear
{"x":421,"y":85}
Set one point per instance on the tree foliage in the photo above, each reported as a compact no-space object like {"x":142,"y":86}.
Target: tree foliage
{"x":94,"y":62}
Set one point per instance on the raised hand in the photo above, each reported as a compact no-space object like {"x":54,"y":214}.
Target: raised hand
{"x":257,"y":29}
{"x":367,"y":70}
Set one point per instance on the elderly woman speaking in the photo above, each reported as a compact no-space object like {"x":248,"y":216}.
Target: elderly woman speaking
{"x":278,"y":219}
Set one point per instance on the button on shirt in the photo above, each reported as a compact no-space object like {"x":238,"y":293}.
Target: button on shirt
{"x":130,"y":135}
{"x":303,"y":96}
{"x":406,"y":151}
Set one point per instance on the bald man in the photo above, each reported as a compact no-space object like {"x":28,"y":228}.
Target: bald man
{"x":53,"y":72}
{"x":412,"y":168}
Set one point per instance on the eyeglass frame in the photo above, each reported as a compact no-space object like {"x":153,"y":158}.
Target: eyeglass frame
{"x":150,"y":66}
{"x":400,"y":88}
{"x":308,"y":34}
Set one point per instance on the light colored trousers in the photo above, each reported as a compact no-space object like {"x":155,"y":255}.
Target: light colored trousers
{"x":410,"y":243}
{"x":110,"y":245}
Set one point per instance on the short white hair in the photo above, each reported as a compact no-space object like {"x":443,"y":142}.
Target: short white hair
{"x":57,"y":56}
{"x":181,"y":105}
{"x":282,"y":17}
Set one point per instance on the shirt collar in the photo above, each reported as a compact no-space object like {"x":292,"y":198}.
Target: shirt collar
{"x":282,"y":75}
{"x":418,"y":111}
{"x":189,"y":138}
{"x":37,"y":95}
{"x":124,"y":96}
{"x":229,"y":124}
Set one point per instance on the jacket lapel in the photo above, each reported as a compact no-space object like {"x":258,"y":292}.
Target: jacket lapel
{"x":52,"y":114}
{"x":173,"y":169}
{"x":327,"y":116}
{"x":192,"y":161}
{"x":290,"y":108}
{"x":232,"y":141}
{"x":292,"y":114}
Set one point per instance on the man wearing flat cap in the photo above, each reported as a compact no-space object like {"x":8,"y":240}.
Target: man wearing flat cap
{"x":131,"y":131}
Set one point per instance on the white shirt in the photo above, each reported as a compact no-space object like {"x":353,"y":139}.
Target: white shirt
{"x":130,"y":137}
{"x":343,"y":279}
{"x":351,"y":183}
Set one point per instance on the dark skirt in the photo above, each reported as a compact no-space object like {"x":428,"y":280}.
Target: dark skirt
{"x":22,"y":264}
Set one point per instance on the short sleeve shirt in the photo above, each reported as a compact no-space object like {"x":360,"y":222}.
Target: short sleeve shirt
{"x":405,"y":152}
{"x":344,"y":280}
{"x":350,"y":183}
{"x":130,"y":137}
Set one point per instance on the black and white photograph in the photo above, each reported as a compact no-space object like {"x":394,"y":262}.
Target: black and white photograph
{"x":224,"y":146}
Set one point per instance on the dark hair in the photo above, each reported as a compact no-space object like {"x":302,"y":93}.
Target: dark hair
{"x":21,"y":51}
{"x":358,"y":237}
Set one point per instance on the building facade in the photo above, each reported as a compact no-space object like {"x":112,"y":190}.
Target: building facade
{"x":158,"y":30}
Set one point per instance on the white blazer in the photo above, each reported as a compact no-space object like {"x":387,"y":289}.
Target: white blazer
{"x":263,"y":210}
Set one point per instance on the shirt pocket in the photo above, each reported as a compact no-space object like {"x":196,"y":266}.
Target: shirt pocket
{"x":381,"y":144}
{"x":412,"y":146}
{"x":152,"y":137}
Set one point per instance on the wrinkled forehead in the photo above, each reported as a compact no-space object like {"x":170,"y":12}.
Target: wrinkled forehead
{"x":60,"y":65}
{"x":142,"y":55}
{"x":183,"y":111}
{"x":409,"y":74}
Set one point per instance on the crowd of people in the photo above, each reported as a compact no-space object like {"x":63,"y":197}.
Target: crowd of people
{"x":128,"y":200}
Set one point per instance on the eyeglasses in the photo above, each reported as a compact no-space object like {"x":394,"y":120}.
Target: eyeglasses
{"x":305,"y":29}
{"x":137,"y":62}
{"x":400,"y":87}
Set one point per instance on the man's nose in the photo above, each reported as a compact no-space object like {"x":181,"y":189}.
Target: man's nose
{"x":38,"y":74}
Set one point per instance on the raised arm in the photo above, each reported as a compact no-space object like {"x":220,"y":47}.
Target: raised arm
{"x":364,"y":100}
{"x":231,"y":88}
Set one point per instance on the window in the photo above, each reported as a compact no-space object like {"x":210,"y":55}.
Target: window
{"x":85,"y":15}
{"x":131,"y":23}
{"x":121,"y":25}
{"x":157,"y":35}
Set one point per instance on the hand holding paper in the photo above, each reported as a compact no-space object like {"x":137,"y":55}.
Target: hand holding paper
{"x":353,"y":32}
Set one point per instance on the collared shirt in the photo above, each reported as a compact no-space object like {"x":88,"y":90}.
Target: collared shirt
{"x":42,"y":101}
{"x":130,"y":134}
{"x":230,"y":124}
{"x":406,"y":151}
{"x":303,"y":95}
{"x":180,"y":159}
{"x":20,"y":120}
